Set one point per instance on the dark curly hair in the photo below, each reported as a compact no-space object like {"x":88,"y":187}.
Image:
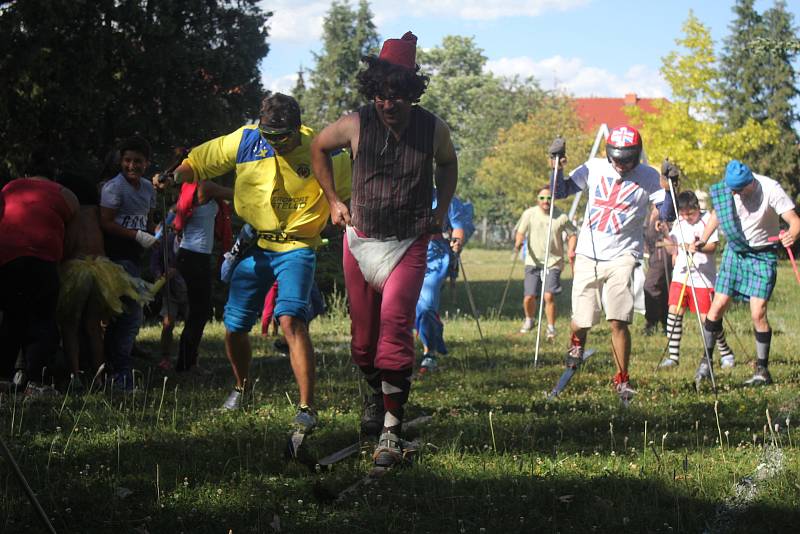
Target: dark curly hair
{"x":382,"y":78}
{"x":280,"y":111}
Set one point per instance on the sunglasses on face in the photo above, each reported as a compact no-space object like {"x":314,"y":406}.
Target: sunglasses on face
{"x":542,"y":197}
{"x":276,"y":138}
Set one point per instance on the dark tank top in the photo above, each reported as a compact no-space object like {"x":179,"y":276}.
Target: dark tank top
{"x":393,"y":179}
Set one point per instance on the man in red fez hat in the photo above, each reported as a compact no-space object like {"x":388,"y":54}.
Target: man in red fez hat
{"x":395,"y":144}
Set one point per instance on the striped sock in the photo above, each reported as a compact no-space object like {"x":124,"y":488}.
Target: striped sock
{"x":674,"y":333}
{"x":396,"y":386}
{"x":722,"y":345}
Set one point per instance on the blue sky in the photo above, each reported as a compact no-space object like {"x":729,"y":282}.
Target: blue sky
{"x":587,"y":47}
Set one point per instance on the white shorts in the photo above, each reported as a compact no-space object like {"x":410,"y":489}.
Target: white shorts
{"x":591,"y":278}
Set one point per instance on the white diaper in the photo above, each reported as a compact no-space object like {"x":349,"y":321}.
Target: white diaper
{"x":376,"y":258}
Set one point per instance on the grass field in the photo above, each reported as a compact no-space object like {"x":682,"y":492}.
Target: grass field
{"x":499,"y":458}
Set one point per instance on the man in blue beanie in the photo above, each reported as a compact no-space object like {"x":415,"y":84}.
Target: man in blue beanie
{"x":748,"y":208}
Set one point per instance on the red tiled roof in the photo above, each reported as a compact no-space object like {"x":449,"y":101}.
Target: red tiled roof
{"x":595,"y":111}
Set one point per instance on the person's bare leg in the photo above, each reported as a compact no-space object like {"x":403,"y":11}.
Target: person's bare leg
{"x":529,"y":306}
{"x":758,"y":312}
{"x":301,"y":354}
{"x":621,"y":343}
{"x":237,"y":348}
{"x":550,"y":308}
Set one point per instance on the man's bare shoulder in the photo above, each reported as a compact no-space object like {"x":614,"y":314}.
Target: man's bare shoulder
{"x":349,"y":122}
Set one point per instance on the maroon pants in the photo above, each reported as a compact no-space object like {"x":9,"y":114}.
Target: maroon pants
{"x":382,"y":323}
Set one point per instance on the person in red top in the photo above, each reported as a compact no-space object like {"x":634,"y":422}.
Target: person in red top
{"x":35,"y":222}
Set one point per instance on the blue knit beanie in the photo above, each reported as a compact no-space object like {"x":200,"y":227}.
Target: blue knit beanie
{"x":737,"y":175}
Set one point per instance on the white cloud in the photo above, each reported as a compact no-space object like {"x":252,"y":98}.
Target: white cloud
{"x":282,"y":84}
{"x":295,"y":22}
{"x":575,"y":77}
{"x":488,"y":9}
{"x":301,"y":21}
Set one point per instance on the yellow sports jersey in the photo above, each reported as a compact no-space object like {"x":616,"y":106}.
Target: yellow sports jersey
{"x":277,"y":194}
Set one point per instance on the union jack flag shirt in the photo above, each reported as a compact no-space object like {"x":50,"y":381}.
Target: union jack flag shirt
{"x":616,"y":209}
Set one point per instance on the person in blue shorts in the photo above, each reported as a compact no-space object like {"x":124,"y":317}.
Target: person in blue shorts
{"x":277,"y":195}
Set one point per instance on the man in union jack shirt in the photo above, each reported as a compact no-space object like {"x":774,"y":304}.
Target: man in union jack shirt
{"x":611,"y":242}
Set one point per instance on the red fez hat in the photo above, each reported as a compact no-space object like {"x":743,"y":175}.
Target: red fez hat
{"x":402,"y":52}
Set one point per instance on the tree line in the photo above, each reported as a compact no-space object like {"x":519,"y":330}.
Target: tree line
{"x":82,"y":74}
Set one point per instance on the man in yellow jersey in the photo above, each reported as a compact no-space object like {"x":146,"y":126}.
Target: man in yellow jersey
{"x":276,"y":193}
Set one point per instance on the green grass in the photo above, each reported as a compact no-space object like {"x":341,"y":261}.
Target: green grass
{"x":143,"y":463}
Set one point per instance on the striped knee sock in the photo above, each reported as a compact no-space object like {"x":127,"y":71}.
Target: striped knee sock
{"x":396,"y":386}
{"x":722,"y":345}
{"x":674,"y":333}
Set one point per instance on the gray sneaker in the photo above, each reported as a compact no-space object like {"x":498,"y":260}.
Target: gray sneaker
{"x":760,"y":378}
{"x":388,"y":452}
{"x":527,"y":325}
{"x":305,"y":421}
{"x":372,"y":418}
{"x":428,"y":363}
{"x":727,"y":362}
{"x":550,"y":336}
{"x":625,"y":391}
{"x":668,"y":363}
{"x":234,"y":400}
{"x":703,"y":373}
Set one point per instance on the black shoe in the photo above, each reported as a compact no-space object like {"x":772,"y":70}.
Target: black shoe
{"x":281,"y":345}
{"x":372,"y":418}
{"x":760,"y":378}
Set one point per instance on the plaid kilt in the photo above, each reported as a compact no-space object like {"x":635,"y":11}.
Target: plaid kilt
{"x":752,"y":274}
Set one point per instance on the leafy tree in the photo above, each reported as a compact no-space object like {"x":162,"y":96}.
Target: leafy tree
{"x":474,"y":103}
{"x":81,"y":74}
{"x":689,"y":130}
{"x":347,"y":36}
{"x":760,"y":82}
{"x":518,"y":167}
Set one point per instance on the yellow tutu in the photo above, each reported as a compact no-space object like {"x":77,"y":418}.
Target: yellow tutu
{"x":97,"y":277}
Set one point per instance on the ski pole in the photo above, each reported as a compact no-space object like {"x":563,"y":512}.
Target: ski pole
{"x":508,"y":283}
{"x":26,"y":487}
{"x":474,"y":309}
{"x":555,"y":158}
{"x":680,"y":305}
